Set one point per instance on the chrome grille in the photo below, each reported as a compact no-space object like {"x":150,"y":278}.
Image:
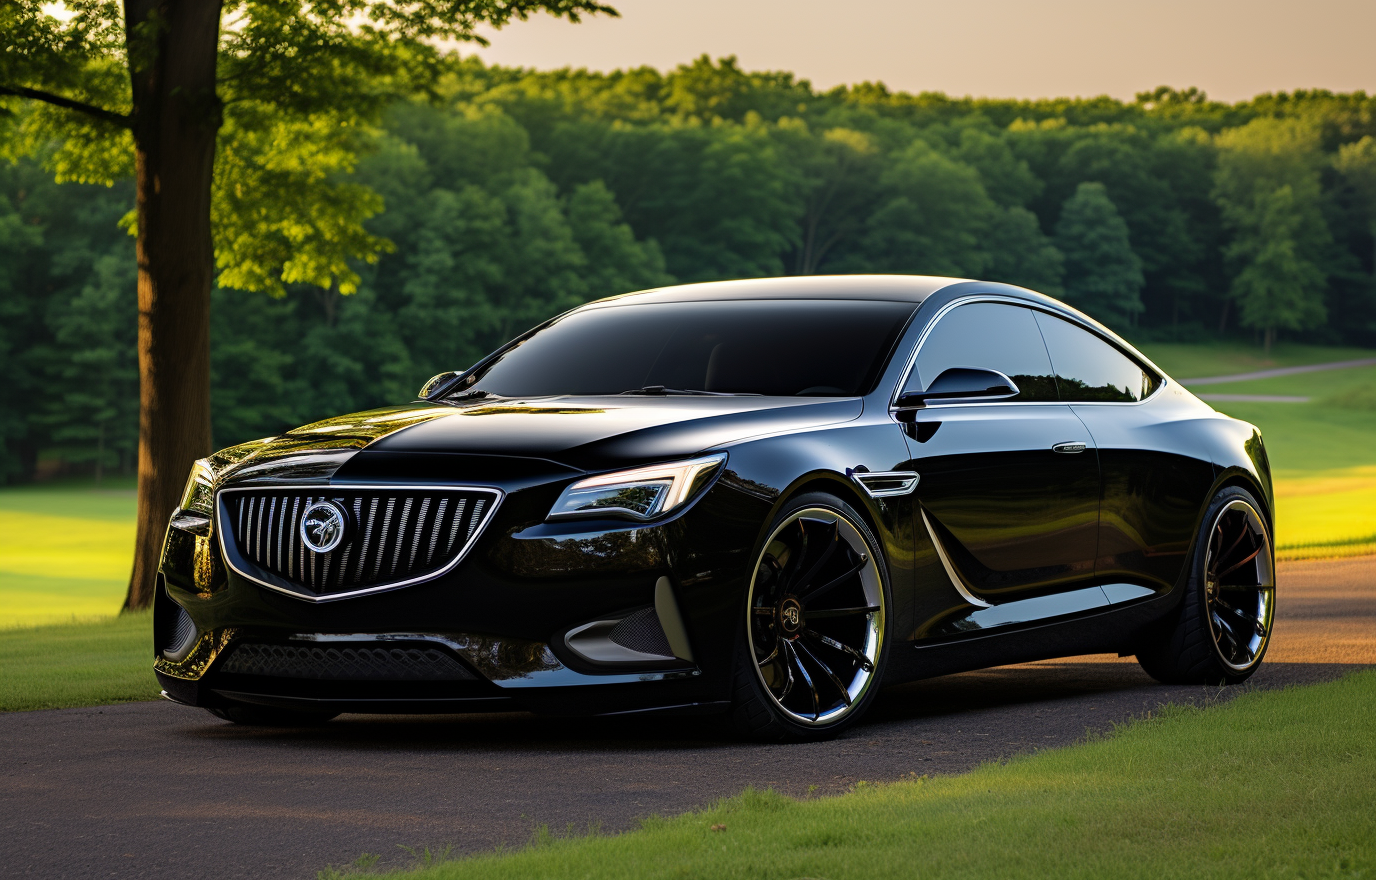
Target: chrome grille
{"x":397,"y":535}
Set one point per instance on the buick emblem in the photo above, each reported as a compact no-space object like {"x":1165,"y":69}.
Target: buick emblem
{"x":790,"y":616}
{"x":323,"y":526}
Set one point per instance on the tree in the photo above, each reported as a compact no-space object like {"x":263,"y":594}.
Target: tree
{"x":1020,"y":253}
{"x":932,"y":221}
{"x":1103,"y":275}
{"x":1276,"y":285}
{"x":1357,"y":163}
{"x":247,"y":105}
{"x":1269,"y":191}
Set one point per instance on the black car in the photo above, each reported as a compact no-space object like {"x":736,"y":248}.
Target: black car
{"x":760,"y":498}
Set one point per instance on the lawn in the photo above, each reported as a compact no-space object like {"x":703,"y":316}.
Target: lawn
{"x":78,"y":664}
{"x":65,"y":551}
{"x":1271,"y":784}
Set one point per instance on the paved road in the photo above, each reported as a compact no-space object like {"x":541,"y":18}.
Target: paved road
{"x":153,"y":790}
{"x":1279,"y":371}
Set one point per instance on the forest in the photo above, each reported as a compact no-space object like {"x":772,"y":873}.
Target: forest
{"x":500,"y":197}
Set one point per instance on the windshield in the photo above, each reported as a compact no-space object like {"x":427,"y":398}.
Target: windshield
{"x":824,"y":348}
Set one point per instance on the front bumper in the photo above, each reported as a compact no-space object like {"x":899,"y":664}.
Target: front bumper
{"x":501,"y":615}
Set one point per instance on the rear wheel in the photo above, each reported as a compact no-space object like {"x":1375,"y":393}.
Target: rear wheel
{"x":1222,"y":628}
{"x":816,"y":620}
{"x":270,"y":716}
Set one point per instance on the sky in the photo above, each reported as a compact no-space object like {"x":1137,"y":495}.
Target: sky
{"x":1232,"y":49}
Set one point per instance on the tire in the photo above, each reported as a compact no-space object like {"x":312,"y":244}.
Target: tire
{"x":815,"y":623}
{"x":1221,"y":629}
{"x":269,"y":716}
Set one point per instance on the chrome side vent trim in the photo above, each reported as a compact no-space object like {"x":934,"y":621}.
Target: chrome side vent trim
{"x":887,"y":483}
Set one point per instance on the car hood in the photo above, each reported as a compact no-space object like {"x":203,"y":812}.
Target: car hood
{"x":583,"y":433}
{"x":595,"y":433}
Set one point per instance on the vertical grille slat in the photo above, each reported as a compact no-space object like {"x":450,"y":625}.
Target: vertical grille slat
{"x":396,"y":535}
{"x":435,"y":530}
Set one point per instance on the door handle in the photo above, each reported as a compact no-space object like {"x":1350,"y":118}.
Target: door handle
{"x":1069,"y":446}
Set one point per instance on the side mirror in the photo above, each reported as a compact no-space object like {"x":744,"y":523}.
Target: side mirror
{"x":438,"y":385}
{"x":962,"y":383}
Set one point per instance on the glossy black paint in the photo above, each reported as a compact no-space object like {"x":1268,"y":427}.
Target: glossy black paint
{"x":1063,"y":552}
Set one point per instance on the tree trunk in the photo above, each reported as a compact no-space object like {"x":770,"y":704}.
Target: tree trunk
{"x":175,"y":122}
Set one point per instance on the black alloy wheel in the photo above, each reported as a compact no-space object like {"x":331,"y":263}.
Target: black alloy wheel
{"x":1223,"y":627}
{"x":816,"y":625}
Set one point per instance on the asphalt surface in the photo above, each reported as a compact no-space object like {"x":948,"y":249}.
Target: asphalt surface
{"x":154,"y":790}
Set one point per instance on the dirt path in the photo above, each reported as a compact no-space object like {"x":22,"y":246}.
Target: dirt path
{"x":1279,"y":371}
{"x":152,"y":790}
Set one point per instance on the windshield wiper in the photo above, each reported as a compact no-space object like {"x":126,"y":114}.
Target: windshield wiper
{"x":661,"y":391}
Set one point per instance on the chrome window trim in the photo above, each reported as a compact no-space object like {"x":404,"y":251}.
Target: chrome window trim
{"x":497,"y":497}
{"x":1008,"y":300}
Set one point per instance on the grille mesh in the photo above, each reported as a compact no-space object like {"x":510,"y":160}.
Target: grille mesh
{"x":642,"y":632}
{"x":346,"y":663}
{"x":396,"y":534}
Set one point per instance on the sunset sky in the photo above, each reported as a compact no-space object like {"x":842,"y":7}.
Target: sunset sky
{"x":995,"y":48}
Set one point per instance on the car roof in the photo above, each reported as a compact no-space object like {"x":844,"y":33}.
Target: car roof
{"x":894,"y":288}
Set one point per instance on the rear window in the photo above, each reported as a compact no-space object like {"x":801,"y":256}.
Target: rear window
{"x":1090,"y":370}
{"x":789,"y":348}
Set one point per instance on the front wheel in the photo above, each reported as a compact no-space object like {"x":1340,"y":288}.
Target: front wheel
{"x":816,"y":622}
{"x":1222,"y":628}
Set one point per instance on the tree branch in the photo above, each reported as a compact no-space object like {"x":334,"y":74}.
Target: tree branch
{"x":123,"y":120}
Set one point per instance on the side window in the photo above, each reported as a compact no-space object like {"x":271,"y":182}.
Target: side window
{"x":1090,"y":369}
{"x":992,"y":336}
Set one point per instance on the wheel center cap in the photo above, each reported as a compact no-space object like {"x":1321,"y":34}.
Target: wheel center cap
{"x":790,"y":617}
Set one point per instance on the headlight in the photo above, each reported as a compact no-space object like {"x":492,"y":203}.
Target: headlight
{"x":642,"y":494}
{"x":199,"y":494}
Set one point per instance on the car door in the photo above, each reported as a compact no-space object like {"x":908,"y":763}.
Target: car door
{"x":1009,"y":489}
{"x":1154,"y":482}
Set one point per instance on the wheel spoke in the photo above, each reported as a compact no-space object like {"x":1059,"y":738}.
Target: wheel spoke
{"x":855,"y":655}
{"x":1236,"y":566}
{"x":788,"y":671}
{"x":826,"y":613}
{"x":773,"y":655}
{"x":835,"y":680}
{"x":816,"y":705}
{"x":762,"y":611}
{"x":1231,"y":547}
{"x":1249,"y":619}
{"x":1215,"y":543}
{"x":815,"y":594}
{"x":832,"y":539}
{"x":1227,"y":632}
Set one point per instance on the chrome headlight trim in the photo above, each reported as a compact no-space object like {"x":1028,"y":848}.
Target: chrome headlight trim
{"x":660,"y":490}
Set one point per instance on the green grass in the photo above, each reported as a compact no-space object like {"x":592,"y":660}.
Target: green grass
{"x":1184,"y":361}
{"x":65,"y":552}
{"x":1273,"y":784}
{"x":78,"y":664}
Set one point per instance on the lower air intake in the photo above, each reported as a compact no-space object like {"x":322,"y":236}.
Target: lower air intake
{"x":346,"y":663}
{"x":642,"y":632}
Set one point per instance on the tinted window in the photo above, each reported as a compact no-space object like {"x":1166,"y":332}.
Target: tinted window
{"x":992,"y":336}
{"x":776,"y":347}
{"x":1088,"y":368}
